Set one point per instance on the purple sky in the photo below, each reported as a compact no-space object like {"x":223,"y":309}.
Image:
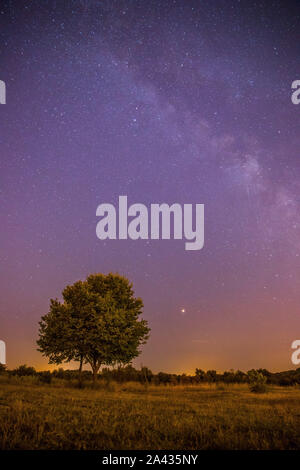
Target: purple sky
{"x":162,"y":101}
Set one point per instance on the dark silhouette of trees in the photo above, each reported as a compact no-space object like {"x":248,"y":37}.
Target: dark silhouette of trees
{"x":23,"y":371}
{"x":145,"y":376}
{"x":200,"y":375}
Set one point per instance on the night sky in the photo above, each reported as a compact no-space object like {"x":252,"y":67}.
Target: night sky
{"x":162,"y":101}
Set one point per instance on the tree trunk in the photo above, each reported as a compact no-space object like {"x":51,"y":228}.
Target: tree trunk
{"x":95,"y":368}
{"x":80,"y":373}
{"x":95,"y":365}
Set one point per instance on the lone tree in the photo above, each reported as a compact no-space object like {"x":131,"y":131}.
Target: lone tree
{"x":97,"y":323}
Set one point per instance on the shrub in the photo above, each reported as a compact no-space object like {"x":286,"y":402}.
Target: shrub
{"x":257,"y":382}
{"x":45,"y":377}
{"x":23,"y":371}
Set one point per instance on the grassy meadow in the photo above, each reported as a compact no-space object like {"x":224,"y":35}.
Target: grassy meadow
{"x":135,"y":416}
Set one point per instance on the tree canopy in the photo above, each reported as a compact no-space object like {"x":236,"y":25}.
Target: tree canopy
{"x":97,"y":323}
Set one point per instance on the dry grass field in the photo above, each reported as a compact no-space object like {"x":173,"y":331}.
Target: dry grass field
{"x":133,"y":416}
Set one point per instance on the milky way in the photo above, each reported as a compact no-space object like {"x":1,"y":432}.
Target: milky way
{"x":162,"y":101}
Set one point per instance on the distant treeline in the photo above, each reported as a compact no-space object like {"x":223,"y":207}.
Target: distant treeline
{"x":145,"y":375}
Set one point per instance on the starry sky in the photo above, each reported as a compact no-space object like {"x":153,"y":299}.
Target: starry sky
{"x":162,"y":101}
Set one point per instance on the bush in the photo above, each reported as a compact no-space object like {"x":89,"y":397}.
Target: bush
{"x":257,"y":382}
{"x":45,"y":377}
{"x":258,"y":388}
{"x":23,"y":371}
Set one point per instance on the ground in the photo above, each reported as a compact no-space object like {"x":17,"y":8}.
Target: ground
{"x":132,"y":416}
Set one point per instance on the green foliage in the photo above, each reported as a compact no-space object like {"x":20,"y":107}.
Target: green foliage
{"x":145,"y":376}
{"x":97,"y":323}
{"x":257,"y":381}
